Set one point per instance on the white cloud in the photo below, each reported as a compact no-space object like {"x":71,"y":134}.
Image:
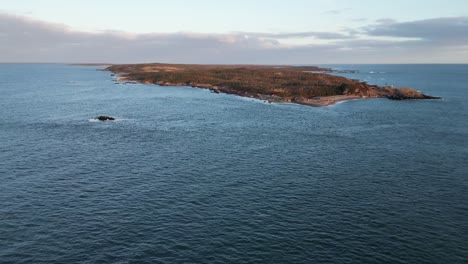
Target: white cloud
{"x":387,"y":41}
{"x":443,"y":31}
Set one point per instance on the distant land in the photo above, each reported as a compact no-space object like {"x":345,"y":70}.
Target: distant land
{"x":307,"y":85}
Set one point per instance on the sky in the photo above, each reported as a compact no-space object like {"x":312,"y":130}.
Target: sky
{"x":241,"y":31}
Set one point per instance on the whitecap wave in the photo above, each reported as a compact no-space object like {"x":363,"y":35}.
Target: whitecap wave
{"x":343,"y":101}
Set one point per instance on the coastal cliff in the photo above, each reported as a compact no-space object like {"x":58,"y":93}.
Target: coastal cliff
{"x":308,"y":85}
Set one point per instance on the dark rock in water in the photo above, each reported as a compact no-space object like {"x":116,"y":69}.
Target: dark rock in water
{"x":105,"y":118}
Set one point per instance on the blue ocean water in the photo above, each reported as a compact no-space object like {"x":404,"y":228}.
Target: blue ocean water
{"x":189,"y":176}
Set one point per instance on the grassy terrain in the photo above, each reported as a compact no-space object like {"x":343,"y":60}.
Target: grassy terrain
{"x":283,"y":81}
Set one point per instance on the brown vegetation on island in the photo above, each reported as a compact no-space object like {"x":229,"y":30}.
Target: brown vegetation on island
{"x":308,"y":85}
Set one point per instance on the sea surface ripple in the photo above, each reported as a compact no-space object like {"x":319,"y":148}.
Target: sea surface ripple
{"x":188,"y":176}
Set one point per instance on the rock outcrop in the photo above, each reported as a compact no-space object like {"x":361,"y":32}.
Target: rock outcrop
{"x":406,"y":93}
{"x":105,"y":118}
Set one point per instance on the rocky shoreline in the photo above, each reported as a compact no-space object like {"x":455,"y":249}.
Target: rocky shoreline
{"x":297,"y":84}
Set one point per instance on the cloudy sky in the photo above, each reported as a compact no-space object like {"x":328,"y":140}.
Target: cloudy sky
{"x":241,"y":31}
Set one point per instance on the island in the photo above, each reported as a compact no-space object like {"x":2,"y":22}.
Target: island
{"x":307,"y":85}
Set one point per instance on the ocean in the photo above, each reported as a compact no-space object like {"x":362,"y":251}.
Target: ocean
{"x":188,"y":176}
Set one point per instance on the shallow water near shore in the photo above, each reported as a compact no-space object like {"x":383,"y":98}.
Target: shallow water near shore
{"x":186,"y":175}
